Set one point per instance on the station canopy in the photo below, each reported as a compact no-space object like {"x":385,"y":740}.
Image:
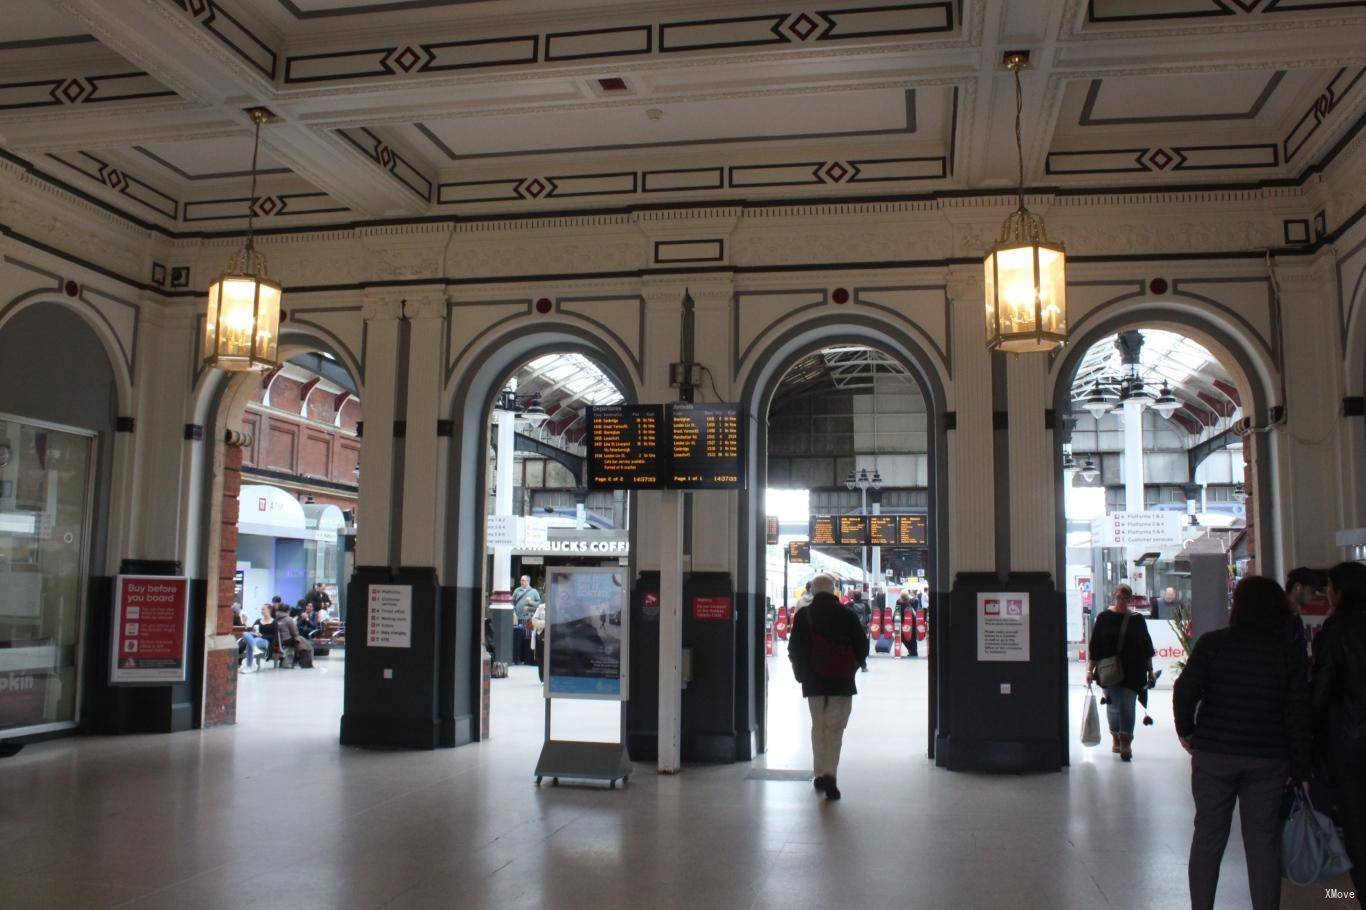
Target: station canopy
{"x":568,"y":380}
{"x":1209,"y":398}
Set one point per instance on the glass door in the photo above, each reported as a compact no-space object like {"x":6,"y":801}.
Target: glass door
{"x":45,"y":487}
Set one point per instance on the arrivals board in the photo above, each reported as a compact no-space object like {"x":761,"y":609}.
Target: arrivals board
{"x":910,"y":531}
{"x":799,"y":551}
{"x":853,"y":529}
{"x":705,"y":447}
{"x":882,"y":530}
{"x":771,"y":527}
{"x":822,"y":531}
{"x":624,"y":447}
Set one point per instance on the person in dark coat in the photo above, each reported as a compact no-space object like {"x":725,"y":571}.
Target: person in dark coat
{"x":1121,"y":632}
{"x":827,"y":646}
{"x":905,"y":611}
{"x":1339,"y":697}
{"x":864,"y":612}
{"x":1242,"y":712}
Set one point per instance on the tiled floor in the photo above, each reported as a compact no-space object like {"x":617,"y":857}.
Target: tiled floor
{"x":273,"y":813}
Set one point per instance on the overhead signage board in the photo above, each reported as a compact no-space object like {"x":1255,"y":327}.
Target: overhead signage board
{"x":150,"y":630}
{"x":502,"y":531}
{"x":624,"y":445}
{"x":910,"y":531}
{"x":1142,"y":529}
{"x":882,"y":530}
{"x":587,"y":634}
{"x":853,"y":530}
{"x":771,"y":529}
{"x":799,"y":551}
{"x":705,"y":447}
{"x":1003,"y":627}
{"x":822,"y":531}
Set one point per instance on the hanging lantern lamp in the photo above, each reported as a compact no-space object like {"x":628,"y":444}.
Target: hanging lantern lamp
{"x":1026,"y":275}
{"x":242,"y":317}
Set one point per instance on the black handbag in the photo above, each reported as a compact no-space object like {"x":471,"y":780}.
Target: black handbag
{"x":1110,"y":671}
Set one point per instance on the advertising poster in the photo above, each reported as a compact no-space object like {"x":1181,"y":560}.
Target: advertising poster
{"x":586,"y":633}
{"x":1003,"y":626}
{"x":148,"y":644}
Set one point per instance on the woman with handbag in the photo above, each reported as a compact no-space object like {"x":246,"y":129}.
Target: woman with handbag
{"x":1339,"y":697}
{"x":1242,"y":712}
{"x":1121,"y":660}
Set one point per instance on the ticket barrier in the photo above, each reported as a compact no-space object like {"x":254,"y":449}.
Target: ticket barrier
{"x":783,"y":624}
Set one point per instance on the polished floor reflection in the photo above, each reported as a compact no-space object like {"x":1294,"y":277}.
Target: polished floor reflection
{"x":273,"y":813}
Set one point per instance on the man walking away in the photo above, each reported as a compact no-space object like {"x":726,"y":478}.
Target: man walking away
{"x":827,"y":646}
{"x":1301,"y":589}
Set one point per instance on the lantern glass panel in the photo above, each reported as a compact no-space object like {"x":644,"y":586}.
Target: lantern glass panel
{"x":1016,"y":293}
{"x":1052,"y":291}
{"x":990,"y":268}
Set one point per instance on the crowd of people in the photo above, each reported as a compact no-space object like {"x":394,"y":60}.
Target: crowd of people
{"x":283,"y":632}
{"x":1259,"y":711}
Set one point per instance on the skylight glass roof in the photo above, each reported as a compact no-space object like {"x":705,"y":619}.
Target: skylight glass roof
{"x":567,"y":379}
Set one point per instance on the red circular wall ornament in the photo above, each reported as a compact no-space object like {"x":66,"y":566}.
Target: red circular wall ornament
{"x":1157,"y":286}
{"x":543,"y":305}
{"x":841,"y":295}
{"x":72,"y":289}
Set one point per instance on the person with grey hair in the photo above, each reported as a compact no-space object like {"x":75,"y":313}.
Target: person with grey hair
{"x":826,"y":648}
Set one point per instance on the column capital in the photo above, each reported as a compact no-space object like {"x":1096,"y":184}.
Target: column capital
{"x":378,"y":308}
{"x":965,"y":283}
{"x":426,"y":305}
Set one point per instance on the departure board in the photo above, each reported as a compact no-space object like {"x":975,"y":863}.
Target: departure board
{"x":853,"y":529}
{"x":822,"y":531}
{"x":771,"y":528}
{"x":910,"y":531}
{"x":799,"y":551}
{"x":705,"y":447}
{"x":882,"y":530}
{"x":624,"y":447}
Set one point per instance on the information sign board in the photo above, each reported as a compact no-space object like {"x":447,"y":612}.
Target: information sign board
{"x":705,"y":447}
{"x":389,"y":617}
{"x":882,"y":530}
{"x":150,"y":630}
{"x":712,"y":609}
{"x":624,"y":446}
{"x":799,"y":551}
{"x":822,"y":531}
{"x":910,"y":531}
{"x":771,"y":529}
{"x":1003,"y":626}
{"x":587,"y":633}
{"x":853,"y":530}
{"x":1142,"y":529}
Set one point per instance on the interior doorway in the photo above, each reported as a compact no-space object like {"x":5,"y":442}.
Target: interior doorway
{"x":546,"y":519}
{"x":848,"y":483}
{"x":294,"y":459}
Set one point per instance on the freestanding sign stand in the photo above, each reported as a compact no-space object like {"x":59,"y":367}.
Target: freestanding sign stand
{"x":587,"y":643}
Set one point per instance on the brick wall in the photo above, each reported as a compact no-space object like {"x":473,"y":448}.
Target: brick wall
{"x":220,"y":670}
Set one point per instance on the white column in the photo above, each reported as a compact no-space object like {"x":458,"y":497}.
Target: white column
{"x":1133,"y":456}
{"x":421,"y":538}
{"x":374,"y":511}
{"x":1133,"y":477}
{"x":502,"y":505}
{"x":670,"y":631}
{"x":877,"y":553}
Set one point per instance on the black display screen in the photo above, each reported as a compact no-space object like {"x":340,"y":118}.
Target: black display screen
{"x":822,"y":531}
{"x":799,"y":551}
{"x":911,"y":531}
{"x":853,"y":529}
{"x":882,"y":530}
{"x":624,"y":447}
{"x":705,"y":447}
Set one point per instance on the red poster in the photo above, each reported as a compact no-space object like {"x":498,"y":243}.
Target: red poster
{"x":150,"y":624}
{"x":711,"y":609}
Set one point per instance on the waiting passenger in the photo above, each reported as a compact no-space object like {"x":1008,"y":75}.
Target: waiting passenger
{"x":538,"y":640}
{"x":827,"y":647}
{"x":1301,"y":590}
{"x":287,"y":629}
{"x":1242,"y":712}
{"x":1123,"y":633}
{"x":318,"y":597}
{"x":262,"y":635}
{"x":1339,"y":693}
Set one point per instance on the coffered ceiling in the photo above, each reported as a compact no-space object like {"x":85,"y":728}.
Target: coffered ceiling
{"x":434,"y":108}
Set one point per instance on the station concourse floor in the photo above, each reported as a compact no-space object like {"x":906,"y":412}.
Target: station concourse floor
{"x":273,"y":813}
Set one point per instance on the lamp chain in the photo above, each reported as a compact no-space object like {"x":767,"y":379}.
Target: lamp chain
{"x":251,"y":201}
{"x":1019,"y":143}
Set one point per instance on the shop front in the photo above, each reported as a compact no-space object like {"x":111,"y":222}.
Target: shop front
{"x":285,"y":547}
